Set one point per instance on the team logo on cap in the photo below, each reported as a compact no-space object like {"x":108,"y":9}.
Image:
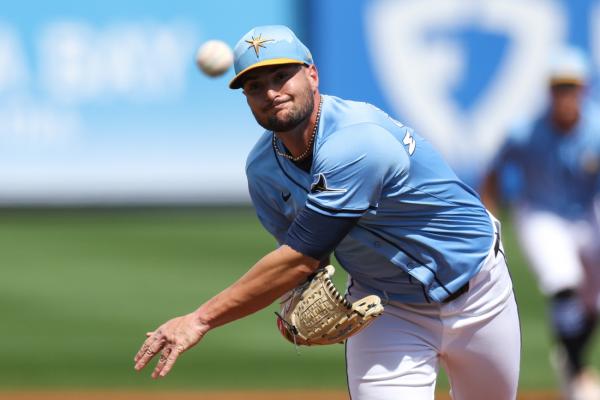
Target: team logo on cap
{"x":257,"y":43}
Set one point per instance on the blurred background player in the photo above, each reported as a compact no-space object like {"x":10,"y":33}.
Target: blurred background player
{"x":549,"y":172}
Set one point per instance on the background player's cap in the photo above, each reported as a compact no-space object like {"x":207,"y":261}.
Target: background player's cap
{"x":267,"y":45}
{"x":569,"y":66}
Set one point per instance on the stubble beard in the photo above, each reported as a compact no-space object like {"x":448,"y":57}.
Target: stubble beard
{"x":293,"y":118}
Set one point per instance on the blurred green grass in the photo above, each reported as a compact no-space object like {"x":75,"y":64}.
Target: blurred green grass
{"x":79,"y":287}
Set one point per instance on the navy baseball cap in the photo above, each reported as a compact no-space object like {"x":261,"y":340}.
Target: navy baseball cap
{"x":267,"y":45}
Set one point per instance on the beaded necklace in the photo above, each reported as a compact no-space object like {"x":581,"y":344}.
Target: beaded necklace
{"x":306,"y":152}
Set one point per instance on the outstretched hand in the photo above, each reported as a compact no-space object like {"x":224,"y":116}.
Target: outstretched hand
{"x":170,"y":339}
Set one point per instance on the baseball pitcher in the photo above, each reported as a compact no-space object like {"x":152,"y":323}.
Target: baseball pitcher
{"x":428,"y":285}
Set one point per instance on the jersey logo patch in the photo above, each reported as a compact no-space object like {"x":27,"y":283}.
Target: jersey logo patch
{"x":286,"y":196}
{"x":410,"y":142}
{"x":320,"y":185}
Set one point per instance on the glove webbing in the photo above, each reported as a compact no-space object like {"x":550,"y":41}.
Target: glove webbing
{"x":292,"y":329}
{"x":334,"y":293}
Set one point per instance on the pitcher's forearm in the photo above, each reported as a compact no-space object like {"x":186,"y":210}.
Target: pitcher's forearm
{"x":271,"y":277}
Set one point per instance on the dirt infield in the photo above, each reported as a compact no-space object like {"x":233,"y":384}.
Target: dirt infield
{"x":217,"y":395}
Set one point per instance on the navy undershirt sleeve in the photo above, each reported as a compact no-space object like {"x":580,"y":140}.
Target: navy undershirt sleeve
{"x":316,"y":235}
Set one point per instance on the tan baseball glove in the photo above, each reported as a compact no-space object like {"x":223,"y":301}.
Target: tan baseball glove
{"x":316,"y":313}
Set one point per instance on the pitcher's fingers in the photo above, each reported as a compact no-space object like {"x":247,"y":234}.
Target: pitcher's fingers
{"x":162,"y":361}
{"x":141,"y":352}
{"x":146,"y":345}
{"x":150,"y":352}
{"x":142,"y":349}
{"x":173,"y":355}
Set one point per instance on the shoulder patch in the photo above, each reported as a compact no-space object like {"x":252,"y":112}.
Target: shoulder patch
{"x":320,"y":185}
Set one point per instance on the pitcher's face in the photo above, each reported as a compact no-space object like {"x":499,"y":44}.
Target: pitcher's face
{"x":281,"y":97}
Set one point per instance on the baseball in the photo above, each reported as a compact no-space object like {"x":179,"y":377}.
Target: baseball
{"x":214,"y":57}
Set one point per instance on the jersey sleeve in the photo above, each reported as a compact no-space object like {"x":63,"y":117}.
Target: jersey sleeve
{"x":317,"y":235}
{"x":266,"y":210}
{"x":508,"y":164}
{"x":351,"y":169}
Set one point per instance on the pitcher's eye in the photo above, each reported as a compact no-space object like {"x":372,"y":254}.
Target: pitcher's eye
{"x":251,"y":87}
{"x":282,"y":76}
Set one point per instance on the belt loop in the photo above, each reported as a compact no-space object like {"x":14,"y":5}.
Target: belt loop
{"x":498,"y":227}
{"x":496,"y":244}
{"x":497,"y":233}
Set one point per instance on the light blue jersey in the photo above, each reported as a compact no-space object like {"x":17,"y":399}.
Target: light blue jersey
{"x":422,"y":233}
{"x":551,"y":170}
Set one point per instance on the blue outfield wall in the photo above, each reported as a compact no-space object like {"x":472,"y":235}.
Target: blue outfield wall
{"x":102,"y":103}
{"x":461,"y":73}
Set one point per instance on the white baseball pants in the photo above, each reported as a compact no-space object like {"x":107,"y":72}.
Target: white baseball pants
{"x":475,"y":338}
{"x":563,"y":254}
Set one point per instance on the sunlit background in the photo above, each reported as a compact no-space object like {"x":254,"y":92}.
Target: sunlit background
{"x":102,"y":102}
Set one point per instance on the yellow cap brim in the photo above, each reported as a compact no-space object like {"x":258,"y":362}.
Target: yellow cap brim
{"x":566,"y":80}
{"x":236,"y":81}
